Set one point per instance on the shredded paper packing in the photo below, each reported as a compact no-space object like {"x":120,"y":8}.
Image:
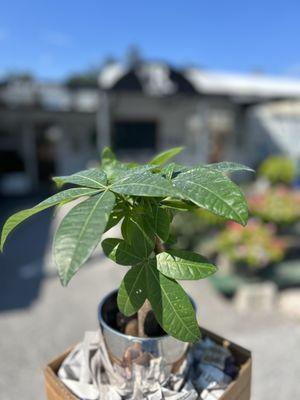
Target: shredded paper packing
{"x":204,"y":375}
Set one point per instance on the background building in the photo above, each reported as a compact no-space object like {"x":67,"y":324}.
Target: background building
{"x":55,"y":129}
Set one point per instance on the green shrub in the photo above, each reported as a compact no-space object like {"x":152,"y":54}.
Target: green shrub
{"x":278,"y":169}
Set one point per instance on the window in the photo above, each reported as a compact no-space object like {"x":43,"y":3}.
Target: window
{"x":10,"y":161}
{"x":134,"y":135}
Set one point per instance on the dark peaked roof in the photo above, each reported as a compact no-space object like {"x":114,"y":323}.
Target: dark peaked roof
{"x":184,"y":85}
{"x":153,"y":79}
{"x":129,"y":81}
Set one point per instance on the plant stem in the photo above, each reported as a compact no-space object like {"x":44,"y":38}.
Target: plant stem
{"x":146,"y":307}
{"x":159,"y":246}
{"x":142,"y":314}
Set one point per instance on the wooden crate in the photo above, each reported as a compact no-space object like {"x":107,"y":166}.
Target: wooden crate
{"x":239,"y":389}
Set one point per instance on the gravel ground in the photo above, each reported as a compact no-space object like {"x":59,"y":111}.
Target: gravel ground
{"x":39,"y":319}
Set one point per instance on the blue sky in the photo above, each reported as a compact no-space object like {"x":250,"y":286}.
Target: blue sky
{"x":54,"y":38}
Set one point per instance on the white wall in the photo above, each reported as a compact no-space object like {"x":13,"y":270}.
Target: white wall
{"x":181,"y":120}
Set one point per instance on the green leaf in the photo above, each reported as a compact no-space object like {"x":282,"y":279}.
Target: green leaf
{"x":115,"y":171}
{"x":168,"y":171}
{"x":124,"y":229}
{"x":92,"y":178}
{"x":173,"y":169}
{"x":139,"y":233}
{"x":179,"y":205}
{"x":227,"y":166}
{"x":111,"y":166}
{"x":107,"y":157}
{"x":160,"y":222}
{"x":132,"y":292}
{"x":138,"y":169}
{"x":124,"y":170}
{"x":58,"y":198}
{"x":165,"y":156}
{"x":144,"y":184}
{"x":171,"y":306}
{"x":80,"y":232}
{"x":114,"y":218}
{"x":119,"y":211}
{"x":121,"y":252}
{"x":181,"y":264}
{"x":172,"y":239}
{"x":213,"y":191}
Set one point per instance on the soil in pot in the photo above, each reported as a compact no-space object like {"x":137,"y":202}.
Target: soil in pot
{"x":129,"y":325}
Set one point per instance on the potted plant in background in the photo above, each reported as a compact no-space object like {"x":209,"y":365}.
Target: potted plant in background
{"x":144,"y":198}
{"x":248,"y":255}
{"x":191,"y":228}
{"x":279,"y":205}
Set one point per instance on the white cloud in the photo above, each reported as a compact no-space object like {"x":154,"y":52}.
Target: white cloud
{"x":58,"y":39}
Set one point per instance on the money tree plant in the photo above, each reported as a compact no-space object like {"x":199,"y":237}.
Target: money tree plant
{"x":144,"y":199}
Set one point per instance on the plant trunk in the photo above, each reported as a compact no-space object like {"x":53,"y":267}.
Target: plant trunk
{"x":146,"y":307}
{"x":142,"y":314}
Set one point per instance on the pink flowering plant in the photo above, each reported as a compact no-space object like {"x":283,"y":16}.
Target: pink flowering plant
{"x":256,"y":245}
{"x":279,"y":204}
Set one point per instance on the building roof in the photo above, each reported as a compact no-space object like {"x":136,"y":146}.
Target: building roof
{"x":154,"y":79}
{"x":257,"y":85}
{"x":160,"y":79}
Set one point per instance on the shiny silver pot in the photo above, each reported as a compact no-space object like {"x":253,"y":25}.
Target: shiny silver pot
{"x":121,"y":347}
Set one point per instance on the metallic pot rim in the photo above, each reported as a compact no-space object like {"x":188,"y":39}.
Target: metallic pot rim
{"x":137,"y":338}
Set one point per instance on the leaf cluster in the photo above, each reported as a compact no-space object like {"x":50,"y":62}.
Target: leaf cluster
{"x":144,"y":198}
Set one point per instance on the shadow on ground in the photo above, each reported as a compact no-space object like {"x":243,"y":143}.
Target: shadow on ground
{"x":21,"y":263}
